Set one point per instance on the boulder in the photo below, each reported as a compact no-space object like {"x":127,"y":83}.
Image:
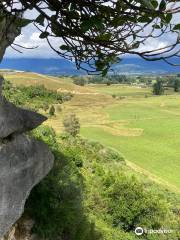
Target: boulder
{"x":17,"y":120}
{"x":14,"y":119}
{"x":24,"y":162}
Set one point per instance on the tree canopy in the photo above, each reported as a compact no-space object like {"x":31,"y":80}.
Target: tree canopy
{"x":97,"y":33}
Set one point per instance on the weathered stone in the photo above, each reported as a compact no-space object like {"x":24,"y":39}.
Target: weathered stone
{"x":14,"y":119}
{"x":23,"y":163}
{"x":17,"y":120}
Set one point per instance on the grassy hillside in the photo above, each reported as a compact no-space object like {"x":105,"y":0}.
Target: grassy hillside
{"x":144,"y":128}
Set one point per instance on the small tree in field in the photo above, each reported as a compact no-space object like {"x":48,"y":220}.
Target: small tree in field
{"x":176,"y":85}
{"x":72,"y":125}
{"x":52,"y":111}
{"x":79,"y":81}
{"x":158,"y":88}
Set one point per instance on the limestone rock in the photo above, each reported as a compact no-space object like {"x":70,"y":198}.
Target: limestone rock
{"x":24,"y":162}
{"x":14,"y":119}
{"x":17,"y":120}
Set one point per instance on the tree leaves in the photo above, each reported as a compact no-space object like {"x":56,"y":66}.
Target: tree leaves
{"x":88,"y":24}
{"x":147,"y":3}
{"x":154,"y":3}
{"x":65,"y":48}
{"x":44,"y":35}
{"x":23,"y":22}
{"x":162,"y":5}
{"x":168,"y":18}
{"x":177,"y":27}
{"x":40,"y":19}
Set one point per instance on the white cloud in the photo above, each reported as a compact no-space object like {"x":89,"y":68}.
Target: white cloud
{"x":152,"y":44}
{"x":30,"y":38}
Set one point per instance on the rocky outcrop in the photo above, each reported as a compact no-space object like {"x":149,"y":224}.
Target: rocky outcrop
{"x":24,"y":161}
{"x":17,"y":120}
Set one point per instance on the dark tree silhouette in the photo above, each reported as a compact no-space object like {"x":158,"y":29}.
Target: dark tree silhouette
{"x":96,"y":33}
{"x":158,"y":88}
{"x":176,"y":85}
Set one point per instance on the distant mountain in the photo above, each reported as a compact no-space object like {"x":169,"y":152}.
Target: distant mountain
{"x":44,"y":66}
{"x":140,"y":66}
{"x":63,"y":67}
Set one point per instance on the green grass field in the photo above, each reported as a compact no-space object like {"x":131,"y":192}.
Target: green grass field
{"x":155,"y":147}
{"x":146,"y":130}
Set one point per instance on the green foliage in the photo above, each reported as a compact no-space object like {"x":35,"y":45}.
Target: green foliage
{"x":158,"y":88}
{"x":45,"y":106}
{"x":111,"y":79}
{"x":79,"y":81}
{"x":71,"y":125}
{"x":86,"y":197}
{"x":56,"y":203}
{"x":131,"y":205}
{"x":34,"y":97}
{"x":176,"y":85}
{"x":52,"y":110}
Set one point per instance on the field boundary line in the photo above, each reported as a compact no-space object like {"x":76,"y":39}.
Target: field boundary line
{"x":152,"y":176}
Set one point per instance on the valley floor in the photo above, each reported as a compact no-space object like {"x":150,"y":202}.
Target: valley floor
{"x":144,"y":128}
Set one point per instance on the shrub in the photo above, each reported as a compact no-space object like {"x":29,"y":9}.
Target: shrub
{"x":52,"y":111}
{"x":158,"y":88}
{"x":79,"y":81}
{"x":131,"y":205}
{"x":71,"y":125}
{"x":176,"y":85}
{"x":45,"y":106}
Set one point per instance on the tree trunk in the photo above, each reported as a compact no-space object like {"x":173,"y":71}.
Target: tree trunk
{"x":8,"y":31}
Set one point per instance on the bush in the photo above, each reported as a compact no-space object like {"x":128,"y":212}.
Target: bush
{"x":131,"y":205}
{"x":45,"y":107}
{"x":176,"y":85}
{"x":79,"y":81}
{"x":52,"y":111}
{"x":158,"y":88}
{"x":34,"y":97}
{"x":71,"y":125}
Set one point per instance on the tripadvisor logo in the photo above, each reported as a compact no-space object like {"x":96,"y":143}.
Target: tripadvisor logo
{"x":140,"y":231}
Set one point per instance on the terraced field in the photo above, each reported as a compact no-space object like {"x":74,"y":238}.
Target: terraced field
{"x":144,"y":128}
